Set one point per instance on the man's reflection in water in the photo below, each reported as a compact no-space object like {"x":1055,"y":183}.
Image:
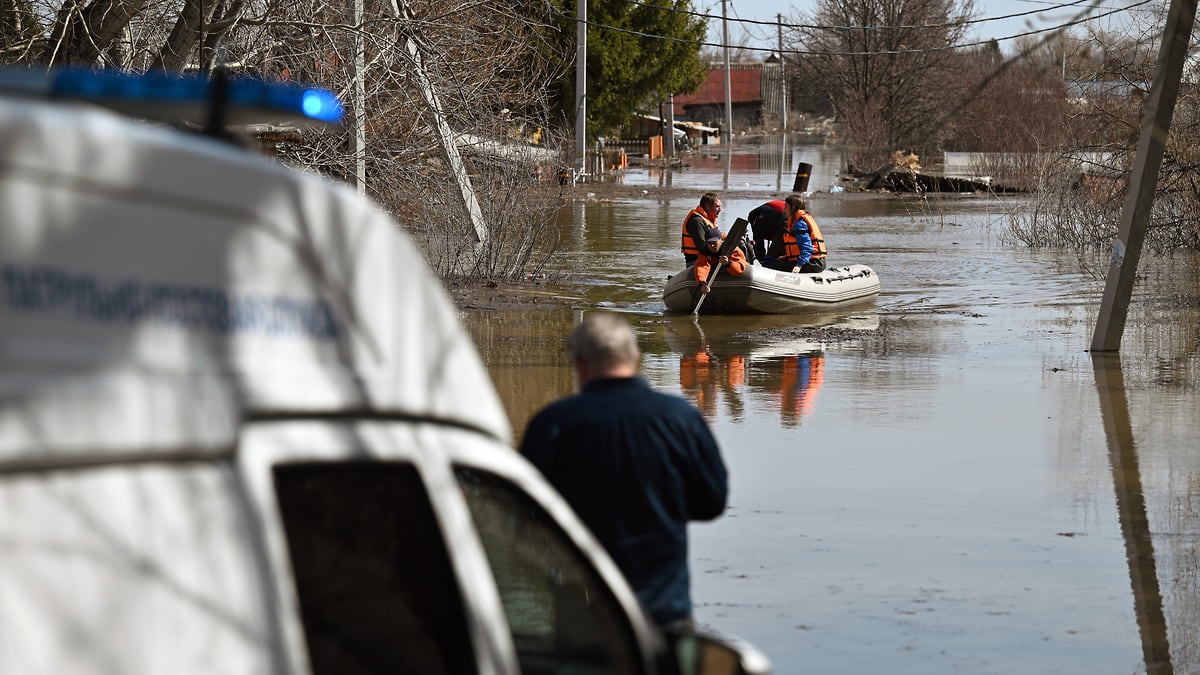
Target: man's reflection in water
{"x":803,"y":375}
{"x":792,"y":383}
{"x":703,"y":376}
{"x":697,"y":381}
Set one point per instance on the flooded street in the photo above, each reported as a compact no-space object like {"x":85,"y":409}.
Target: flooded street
{"x":944,"y":481}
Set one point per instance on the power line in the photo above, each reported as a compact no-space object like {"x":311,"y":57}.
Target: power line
{"x":1074,"y":22}
{"x":947,"y":24}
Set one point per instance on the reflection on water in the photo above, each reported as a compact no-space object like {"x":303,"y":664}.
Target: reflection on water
{"x":927,"y":484}
{"x":719,"y":377}
{"x":802,"y":377}
{"x":1131,"y":510}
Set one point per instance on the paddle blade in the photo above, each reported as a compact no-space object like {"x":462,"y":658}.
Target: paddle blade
{"x":734,"y":236}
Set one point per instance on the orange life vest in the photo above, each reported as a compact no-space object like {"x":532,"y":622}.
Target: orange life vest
{"x":737,"y":371}
{"x":695,"y":379}
{"x":707,"y":261}
{"x":792,"y":247}
{"x":802,"y":379}
{"x":688,"y":247}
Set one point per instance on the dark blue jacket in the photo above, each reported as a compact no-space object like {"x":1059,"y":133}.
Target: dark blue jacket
{"x":636,"y":465}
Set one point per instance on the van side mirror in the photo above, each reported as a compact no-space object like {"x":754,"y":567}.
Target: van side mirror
{"x":706,"y":653}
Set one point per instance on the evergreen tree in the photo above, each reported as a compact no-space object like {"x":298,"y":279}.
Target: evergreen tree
{"x":638,"y":51}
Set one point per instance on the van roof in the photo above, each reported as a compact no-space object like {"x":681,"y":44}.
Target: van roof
{"x":159,"y":287}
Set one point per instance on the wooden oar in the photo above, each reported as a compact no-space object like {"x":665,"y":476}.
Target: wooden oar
{"x":731,"y":242}
{"x":707,"y":287}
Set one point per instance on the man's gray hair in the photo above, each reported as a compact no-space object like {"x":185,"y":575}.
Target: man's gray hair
{"x":604,"y":339}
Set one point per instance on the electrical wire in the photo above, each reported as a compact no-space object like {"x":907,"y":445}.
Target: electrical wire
{"x":1078,"y":20}
{"x":775,"y":24}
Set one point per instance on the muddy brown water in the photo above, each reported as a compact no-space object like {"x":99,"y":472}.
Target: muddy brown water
{"x":944,"y":481}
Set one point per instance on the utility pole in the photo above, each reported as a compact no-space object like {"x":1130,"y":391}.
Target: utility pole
{"x":580,"y":86}
{"x":728,"y":104}
{"x":670,"y":139}
{"x":1143,"y":177}
{"x":663,"y":125}
{"x":782,"y":77}
{"x":358,"y":137}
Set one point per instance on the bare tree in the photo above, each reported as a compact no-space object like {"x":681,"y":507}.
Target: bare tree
{"x":740,"y":51}
{"x":883,"y":64}
{"x":1084,"y":190}
{"x":486,"y":61}
{"x":1062,"y":52}
{"x":1011,"y":118}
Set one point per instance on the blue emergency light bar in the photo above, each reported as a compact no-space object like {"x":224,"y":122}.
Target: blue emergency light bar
{"x":172,"y":96}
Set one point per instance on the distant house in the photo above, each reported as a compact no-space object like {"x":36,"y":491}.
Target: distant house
{"x":753,"y":90}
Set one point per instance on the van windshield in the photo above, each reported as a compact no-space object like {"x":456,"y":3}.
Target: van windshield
{"x":372,"y":571}
{"x":563,"y":616}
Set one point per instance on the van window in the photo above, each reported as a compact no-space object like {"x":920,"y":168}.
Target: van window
{"x":562,"y":615}
{"x":377,"y":591}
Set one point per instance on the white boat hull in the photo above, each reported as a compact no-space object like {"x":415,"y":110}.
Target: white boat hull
{"x":765,"y":291}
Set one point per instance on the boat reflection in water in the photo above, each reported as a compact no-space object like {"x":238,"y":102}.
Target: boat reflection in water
{"x":783,"y":373}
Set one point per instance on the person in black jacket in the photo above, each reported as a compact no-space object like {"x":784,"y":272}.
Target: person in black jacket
{"x":767,"y":223}
{"x":635,"y":464}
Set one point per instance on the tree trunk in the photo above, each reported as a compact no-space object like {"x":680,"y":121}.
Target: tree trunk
{"x":178,"y":47}
{"x":84,"y":34}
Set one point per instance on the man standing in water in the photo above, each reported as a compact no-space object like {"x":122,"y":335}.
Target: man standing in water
{"x":635,"y":464}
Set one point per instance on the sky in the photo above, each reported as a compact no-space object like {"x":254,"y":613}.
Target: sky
{"x":1048,"y":14}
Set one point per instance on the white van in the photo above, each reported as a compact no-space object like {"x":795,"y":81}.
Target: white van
{"x":242,"y":431}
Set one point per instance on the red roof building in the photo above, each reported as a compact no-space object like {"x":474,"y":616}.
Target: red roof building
{"x":707,"y":105}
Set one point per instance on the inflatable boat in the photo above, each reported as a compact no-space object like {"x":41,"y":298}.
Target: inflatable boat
{"x":761,"y":290}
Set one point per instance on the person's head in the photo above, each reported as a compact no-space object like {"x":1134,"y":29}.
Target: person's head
{"x":712,"y":238}
{"x":710,"y":203}
{"x":794,"y":204}
{"x":603,"y":345}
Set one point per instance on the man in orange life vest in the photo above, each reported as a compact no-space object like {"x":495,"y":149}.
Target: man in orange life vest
{"x":698,"y":221}
{"x":804,"y":247}
{"x":735,"y":262}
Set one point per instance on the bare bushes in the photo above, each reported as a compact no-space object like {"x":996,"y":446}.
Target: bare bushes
{"x":1021,"y":171}
{"x":1082,"y":194}
{"x":522,"y":196}
{"x":1080,"y":209}
{"x":461,"y":80}
{"x":420,"y":82}
{"x":888,"y":87}
{"x":1067,"y":211}
{"x":868,"y":146}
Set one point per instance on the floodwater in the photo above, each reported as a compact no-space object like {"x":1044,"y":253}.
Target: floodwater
{"x":957,"y":486}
